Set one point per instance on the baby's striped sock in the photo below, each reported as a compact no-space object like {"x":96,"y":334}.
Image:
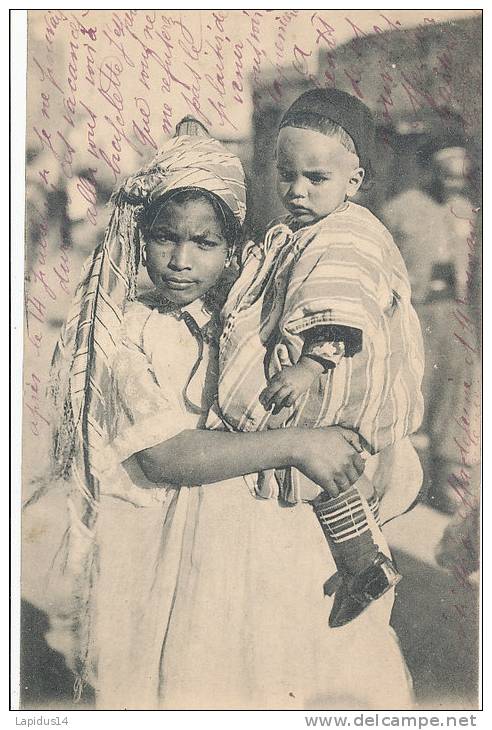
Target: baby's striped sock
{"x":345,"y":526}
{"x":373,"y":503}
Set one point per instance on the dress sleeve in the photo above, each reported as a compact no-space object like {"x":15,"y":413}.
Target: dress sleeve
{"x":328,"y":344}
{"x":337,"y":282}
{"x":144,"y":412}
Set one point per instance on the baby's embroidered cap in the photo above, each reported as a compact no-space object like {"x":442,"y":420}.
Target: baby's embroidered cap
{"x":343,"y":109}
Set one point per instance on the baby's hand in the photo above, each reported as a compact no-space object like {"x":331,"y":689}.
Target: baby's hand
{"x":287,"y":386}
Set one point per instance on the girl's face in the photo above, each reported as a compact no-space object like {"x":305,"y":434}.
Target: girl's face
{"x":186,"y":250}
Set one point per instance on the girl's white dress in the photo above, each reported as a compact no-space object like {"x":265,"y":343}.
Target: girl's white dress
{"x":208,"y":597}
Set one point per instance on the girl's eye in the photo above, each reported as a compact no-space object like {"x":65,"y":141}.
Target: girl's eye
{"x":160,"y":245}
{"x":210,"y":239}
{"x":159,"y":240}
{"x":285,"y":176}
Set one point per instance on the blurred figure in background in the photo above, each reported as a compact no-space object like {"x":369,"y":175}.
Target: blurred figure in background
{"x":434,"y":226}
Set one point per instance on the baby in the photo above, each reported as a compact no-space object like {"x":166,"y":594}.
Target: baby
{"x":319,"y":331}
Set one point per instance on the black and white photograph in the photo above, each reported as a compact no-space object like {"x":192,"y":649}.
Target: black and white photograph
{"x":251,"y":375}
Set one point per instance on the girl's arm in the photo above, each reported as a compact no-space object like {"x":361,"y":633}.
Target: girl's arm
{"x":148,"y":414}
{"x":327,"y":456}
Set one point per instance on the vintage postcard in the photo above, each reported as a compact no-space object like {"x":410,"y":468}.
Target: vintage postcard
{"x":252,"y":361}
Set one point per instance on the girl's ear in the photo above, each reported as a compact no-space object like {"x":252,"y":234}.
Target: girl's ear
{"x":355,"y":181}
{"x":143,"y":255}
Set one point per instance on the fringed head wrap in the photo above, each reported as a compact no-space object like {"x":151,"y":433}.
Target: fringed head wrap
{"x":80,"y":376}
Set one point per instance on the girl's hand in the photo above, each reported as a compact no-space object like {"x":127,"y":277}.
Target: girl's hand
{"x":331,"y":457}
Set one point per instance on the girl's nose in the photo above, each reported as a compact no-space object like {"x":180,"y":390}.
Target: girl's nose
{"x":181,"y":256}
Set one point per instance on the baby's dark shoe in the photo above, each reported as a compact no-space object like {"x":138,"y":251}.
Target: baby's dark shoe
{"x":354,"y":593}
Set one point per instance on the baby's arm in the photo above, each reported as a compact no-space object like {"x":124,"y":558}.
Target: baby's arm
{"x":324,"y":347}
{"x":287,"y":386}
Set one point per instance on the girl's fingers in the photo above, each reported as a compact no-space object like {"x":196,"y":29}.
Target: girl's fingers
{"x":358,"y":463}
{"x":341,"y":480}
{"x":352,"y":475}
{"x":331,"y":488}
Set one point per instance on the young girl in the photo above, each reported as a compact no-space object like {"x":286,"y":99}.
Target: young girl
{"x":193,"y":596}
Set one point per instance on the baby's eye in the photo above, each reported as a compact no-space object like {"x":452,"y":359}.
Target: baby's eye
{"x":206,"y":243}
{"x":317,"y":179}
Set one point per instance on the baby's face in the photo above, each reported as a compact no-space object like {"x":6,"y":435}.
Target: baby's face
{"x":186,"y":250}
{"x":315,"y":173}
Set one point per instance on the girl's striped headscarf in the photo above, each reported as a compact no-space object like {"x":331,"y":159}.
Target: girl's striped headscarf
{"x":80,"y":364}
{"x":80,"y":377}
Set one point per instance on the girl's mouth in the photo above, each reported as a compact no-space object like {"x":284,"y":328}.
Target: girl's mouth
{"x":177,"y":283}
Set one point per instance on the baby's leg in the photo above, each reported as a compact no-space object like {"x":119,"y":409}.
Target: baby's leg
{"x":350,"y":523}
{"x":349,"y":526}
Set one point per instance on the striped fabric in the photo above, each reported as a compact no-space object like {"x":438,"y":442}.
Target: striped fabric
{"x":80,"y":369}
{"x":191,"y":161}
{"x":342,"y":517}
{"x":374,"y":505}
{"x":343,"y":270}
